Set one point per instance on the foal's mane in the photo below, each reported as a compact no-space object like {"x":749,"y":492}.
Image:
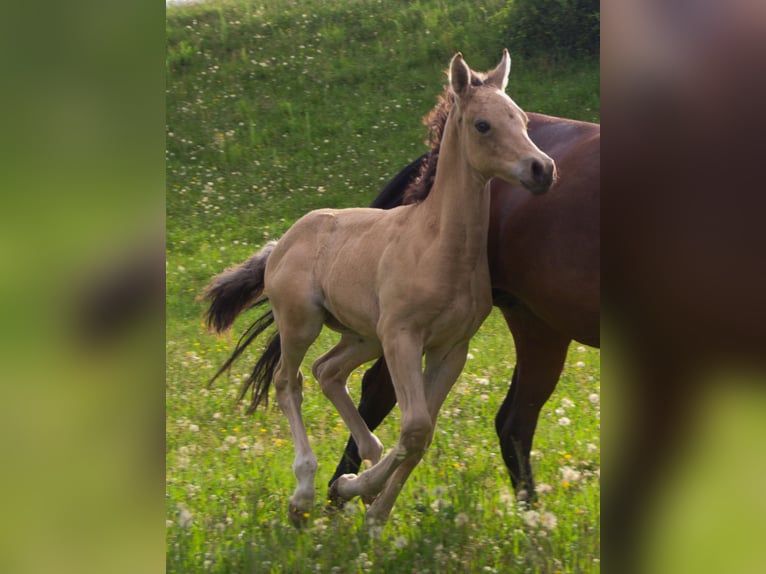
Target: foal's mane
{"x":435,"y":121}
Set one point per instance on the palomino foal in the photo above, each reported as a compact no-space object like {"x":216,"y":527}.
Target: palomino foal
{"x":403,"y":283}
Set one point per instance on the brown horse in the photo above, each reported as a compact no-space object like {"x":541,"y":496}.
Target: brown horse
{"x":544,"y":264}
{"x":347,"y":269}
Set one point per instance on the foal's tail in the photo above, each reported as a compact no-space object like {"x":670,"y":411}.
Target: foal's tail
{"x":235,"y":290}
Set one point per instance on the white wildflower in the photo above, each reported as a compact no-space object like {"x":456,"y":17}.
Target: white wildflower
{"x":193,"y":428}
{"x":461,"y":519}
{"x":564,"y":422}
{"x":185,"y":518}
{"x":439,"y":490}
{"x":567,"y":403}
{"x":506,"y":497}
{"x":548,"y":520}
{"x":531,"y":518}
{"x":593,"y":398}
{"x":400,"y":542}
{"x":568,"y":474}
{"x":543,"y":488}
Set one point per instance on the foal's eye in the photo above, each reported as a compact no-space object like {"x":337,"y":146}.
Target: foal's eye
{"x":482,"y":126}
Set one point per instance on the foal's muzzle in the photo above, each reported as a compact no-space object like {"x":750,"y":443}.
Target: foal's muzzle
{"x":540,"y":175}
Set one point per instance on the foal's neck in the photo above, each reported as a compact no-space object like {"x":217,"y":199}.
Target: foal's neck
{"x":458,"y":204}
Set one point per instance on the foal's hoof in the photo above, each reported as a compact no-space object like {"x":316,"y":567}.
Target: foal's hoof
{"x":334,"y":500}
{"x":334,"y":503}
{"x":299,"y":518}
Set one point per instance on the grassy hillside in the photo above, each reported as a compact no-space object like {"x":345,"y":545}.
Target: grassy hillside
{"x":275,"y":108}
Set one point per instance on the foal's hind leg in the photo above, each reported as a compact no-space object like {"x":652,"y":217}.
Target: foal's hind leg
{"x":378,"y":398}
{"x":288,"y":382}
{"x":332,"y":371}
{"x":540,"y":355}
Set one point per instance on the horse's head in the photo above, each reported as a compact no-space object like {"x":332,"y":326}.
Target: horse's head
{"x":493,"y":129}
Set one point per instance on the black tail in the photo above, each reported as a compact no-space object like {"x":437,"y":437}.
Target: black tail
{"x":393,"y":194}
{"x":233,"y":291}
{"x":263,"y":371}
{"x":236,"y":289}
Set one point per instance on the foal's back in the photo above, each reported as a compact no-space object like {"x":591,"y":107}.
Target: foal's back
{"x":344,"y":262}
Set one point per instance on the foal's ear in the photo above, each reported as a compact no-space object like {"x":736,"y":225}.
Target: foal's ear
{"x":499,"y":76}
{"x":459,"y":75}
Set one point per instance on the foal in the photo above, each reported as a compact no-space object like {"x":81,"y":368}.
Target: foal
{"x":348,"y":269}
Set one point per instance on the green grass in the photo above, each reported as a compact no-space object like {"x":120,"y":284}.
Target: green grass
{"x":276,"y":108}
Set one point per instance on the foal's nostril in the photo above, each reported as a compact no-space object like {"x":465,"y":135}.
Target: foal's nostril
{"x":538,"y":171}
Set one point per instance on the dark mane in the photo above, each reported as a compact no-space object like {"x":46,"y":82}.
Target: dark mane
{"x":420,"y":187}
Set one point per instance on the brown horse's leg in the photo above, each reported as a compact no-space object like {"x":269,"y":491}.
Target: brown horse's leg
{"x":540,"y":355}
{"x":378,"y":398}
{"x":660,"y":396}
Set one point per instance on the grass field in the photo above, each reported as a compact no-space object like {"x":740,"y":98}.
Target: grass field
{"x":276,"y":108}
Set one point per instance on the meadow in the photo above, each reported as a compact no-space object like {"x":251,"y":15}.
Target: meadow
{"x":276,"y":108}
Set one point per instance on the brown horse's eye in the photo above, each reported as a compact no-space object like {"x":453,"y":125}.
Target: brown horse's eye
{"x":482,"y":126}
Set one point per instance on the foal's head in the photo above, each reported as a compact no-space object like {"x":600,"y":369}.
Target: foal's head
{"x":493,"y":129}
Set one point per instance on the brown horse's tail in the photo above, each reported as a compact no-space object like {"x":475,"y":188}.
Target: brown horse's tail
{"x":235,"y":290}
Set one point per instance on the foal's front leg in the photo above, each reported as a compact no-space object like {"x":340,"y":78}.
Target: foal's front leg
{"x":442,"y":370}
{"x":404,"y":355}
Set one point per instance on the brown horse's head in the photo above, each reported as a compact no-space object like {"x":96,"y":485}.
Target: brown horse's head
{"x":494,"y":129}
